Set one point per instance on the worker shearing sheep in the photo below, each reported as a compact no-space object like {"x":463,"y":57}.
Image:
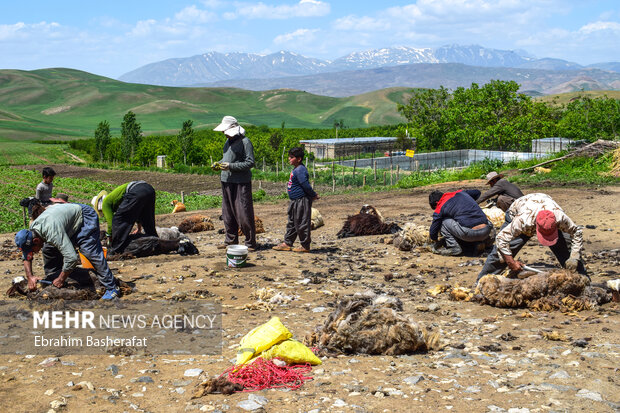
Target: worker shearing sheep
{"x":535,"y":214}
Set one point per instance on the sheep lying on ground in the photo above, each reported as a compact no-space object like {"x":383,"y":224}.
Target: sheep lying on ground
{"x":316,"y":220}
{"x":370,"y":324}
{"x":196,"y":223}
{"x":411,"y":236}
{"x":259,"y":226}
{"x":561,"y":289}
{"x":368,"y":222}
{"x":81,"y":285}
{"x":169,"y":234}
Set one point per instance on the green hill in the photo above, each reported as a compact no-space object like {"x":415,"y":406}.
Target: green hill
{"x":67,"y":103}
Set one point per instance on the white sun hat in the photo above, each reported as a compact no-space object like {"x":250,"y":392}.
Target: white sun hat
{"x":229,"y":126}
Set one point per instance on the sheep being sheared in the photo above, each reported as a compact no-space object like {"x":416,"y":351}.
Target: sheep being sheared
{"x":411,"y":236}
{"x":370,"y":324}
{"x":81,"y":285}
{"x":196,"y":223}
{"x":561,"y":289}
{"x":368,"y":222}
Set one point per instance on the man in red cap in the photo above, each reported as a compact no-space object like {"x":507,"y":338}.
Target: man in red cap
{"x":535,"y":214}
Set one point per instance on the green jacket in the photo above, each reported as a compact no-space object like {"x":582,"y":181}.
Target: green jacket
{"x":111,"y":203}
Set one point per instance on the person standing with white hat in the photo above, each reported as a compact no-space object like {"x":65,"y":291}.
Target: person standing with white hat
{"x":236,"y":177}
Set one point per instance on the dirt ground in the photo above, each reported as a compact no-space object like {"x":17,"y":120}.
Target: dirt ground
{"x":518,"y":370}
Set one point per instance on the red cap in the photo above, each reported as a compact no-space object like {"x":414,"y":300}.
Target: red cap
{"x":546,"y":228}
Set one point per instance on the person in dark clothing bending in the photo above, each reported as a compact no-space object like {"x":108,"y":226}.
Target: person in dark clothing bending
{"x":505,"y":191}
{"x":236,"y":177}
{"x":130,"y":203}
{"x":301,"y":195}
{"x":459,"y":219}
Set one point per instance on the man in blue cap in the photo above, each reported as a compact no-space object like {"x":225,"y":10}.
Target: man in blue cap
{"x":56,"y":233}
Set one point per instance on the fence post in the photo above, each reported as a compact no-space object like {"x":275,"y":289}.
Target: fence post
{"x":211,"y":158}
{"x":260,"y":184}
{"x":263,"y":164}
{"x":364,"y":180}
{"x":277,"y":171}
{"x":283,"y":149}
{"x":391,"y":175}
{"x":375,"y":170}
{"x":182,"y":197}
{"x":397,"y":172}
{"x":333,"y":178}
{"x":333,"y":185}
{"x":354,"y":165}
{"x":314,"y":169}
{"x":384,"y":177}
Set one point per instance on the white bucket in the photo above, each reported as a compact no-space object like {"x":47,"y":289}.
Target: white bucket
{"x":236,"y":255}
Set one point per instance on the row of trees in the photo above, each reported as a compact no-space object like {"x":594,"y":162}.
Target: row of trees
{"x":493,"y":116}
{"x":496,"y":116}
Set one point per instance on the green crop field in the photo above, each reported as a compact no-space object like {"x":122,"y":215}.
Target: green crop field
{"x":67,"y":103}
{"x":18,"y":184}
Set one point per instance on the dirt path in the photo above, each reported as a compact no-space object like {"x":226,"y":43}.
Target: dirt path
{"x":522,"y":371}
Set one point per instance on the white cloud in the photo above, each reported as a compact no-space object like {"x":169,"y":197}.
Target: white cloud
{"x":192,"y":14}
{"x":298,"y":36}
{"x":23,"y":30}
{"x":599,"y":26}
{"x":305,"y":8}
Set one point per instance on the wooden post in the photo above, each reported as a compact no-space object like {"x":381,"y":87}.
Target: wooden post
{"x":354,"y":165}
{"x":375,"y":170}
{"x":333,"y":185}
{"x":284,"y":149}
{"x":277,"y":172}
{"x":314,"y":169}
{"x":333,"y":171}
{"x":364,"y":180}
{"x":391,"y":175}
{"x":384,"y":177}
{"x":211,"y":159}
{"x":260,"y":184}
{"x":182,"y":197}
{"x":342,"y":173}
{"x":263,"y":164}
{"x":397,"y":172}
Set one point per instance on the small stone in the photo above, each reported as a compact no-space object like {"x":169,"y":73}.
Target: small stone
{"x":49,"y":392}
{"x":137,"y":394}
{"x":518,"y":410}
{"x":588,"y":394}
{"x":560,"y":375}
{"x":414,"y":379}
{"x":113,"y":368}
{"x":249,"y":405}
{"x":318,"y":309}
{"x":57,"y":404}
{"x":50,"y":361}
{"x":433,"y":307}
{"x":145,"y":379}
{"x":192,"y":372}
{"x":580,"y":342}
{"x":180,"y":390}
{"x":472,"y":389}
{"x":207,"y":408}
{"x":339,"y":403}
{"x":353,"y":361}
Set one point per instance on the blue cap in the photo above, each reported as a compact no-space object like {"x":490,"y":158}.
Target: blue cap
{"x":23,"y":239}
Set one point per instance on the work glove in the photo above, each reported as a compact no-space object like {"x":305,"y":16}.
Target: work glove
{"x":572,"y":262}
{"x":224,"y":166}
{"x":215,"y":166}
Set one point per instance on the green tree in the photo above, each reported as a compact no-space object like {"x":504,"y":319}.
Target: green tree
{"x":590,"y":119}
{"x":425,"y":111}
{"x":186,"y":139}
{"x":130,"y":135}
{"x":102,"y":138}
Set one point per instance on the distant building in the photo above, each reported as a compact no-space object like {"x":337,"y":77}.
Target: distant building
{"x":334,"y":148}
{"x":550,"y":145}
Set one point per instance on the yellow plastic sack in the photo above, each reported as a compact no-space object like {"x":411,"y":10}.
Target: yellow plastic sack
{"x":293,"y":352}
{"x":261,"y":338}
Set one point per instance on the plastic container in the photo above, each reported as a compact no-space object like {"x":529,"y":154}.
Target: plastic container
{"x":86,"y":264}
{"x":236,"y":255}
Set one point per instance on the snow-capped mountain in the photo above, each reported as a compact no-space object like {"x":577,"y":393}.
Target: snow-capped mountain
{"x":213,"y":66}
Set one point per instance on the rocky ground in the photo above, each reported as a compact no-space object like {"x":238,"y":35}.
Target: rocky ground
{"x":491,"y":359}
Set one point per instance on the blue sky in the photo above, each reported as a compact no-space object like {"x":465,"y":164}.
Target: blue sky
{"x":112,"y":37}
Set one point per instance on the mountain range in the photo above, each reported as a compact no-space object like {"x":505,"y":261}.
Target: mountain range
{"x":216,"y":69}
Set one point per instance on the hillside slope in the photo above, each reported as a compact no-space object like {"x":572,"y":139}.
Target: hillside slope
{"x":66,"y":103}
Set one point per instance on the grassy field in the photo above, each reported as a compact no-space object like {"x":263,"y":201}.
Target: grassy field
{"x":67,"y":103}
{"x":18,"y":184}
{"x":565,"y":98}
